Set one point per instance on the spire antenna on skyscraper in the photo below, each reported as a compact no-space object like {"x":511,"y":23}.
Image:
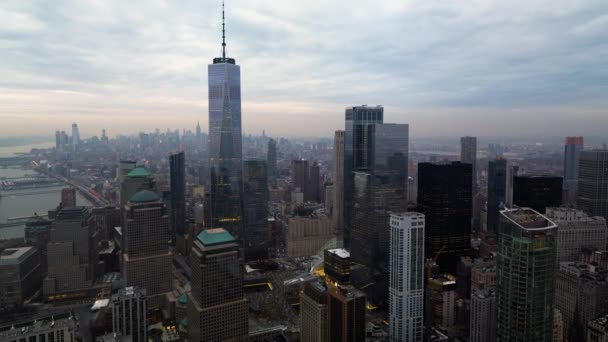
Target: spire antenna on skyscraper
{"x":223,"y":32}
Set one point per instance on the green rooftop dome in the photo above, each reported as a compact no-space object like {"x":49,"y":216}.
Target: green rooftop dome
{"x":216,"y":236}
{"x":139,"y":172}
{"x":144,"y":196}
{"x":183,"y":299}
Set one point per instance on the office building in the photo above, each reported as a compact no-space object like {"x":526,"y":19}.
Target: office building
{"x":483,"y":274}
{"x":346,"y":315}
{"x":597,"y":330}
{"x":444,"y":197}
{"x":593,"y":182}
{"x":255,"y":209}
{"x":217,"y":308}
{"x":58,"y":140}
{"x":271,"y":162}
{"x":406,"y":285}
{"x":468,"y":155}
{"x":70,"y":252}
{"x":177,"y":170}
{"x":306,"y":235}
{"x":581,"y":295}
{"x":537,"y":192}
{"x":136,"y":180}
{"x":336,"y":264}
{"x":497,"y":190}
{"x":441,"y":301}
{"x":577,"y":232}
{"x":358,"y":147}
{"x":525,"y":275}
{"x":313,"y":313}
{"x":314,"y":183}
{"x":338,"y":178}
{"x":225,"y":142}
{"x":300,"y":177}
{"x":123,"y":169}
{"x":512,"y":171}
{"x":377,"y":192}
{"x":129,"y":314}
{"x":146,"y":257}
{"x":483,"y":313}
{"x":75,"y":136}
{"x":61,"y":327}
{"x":21,"y":272}
{"x":572,"y":152}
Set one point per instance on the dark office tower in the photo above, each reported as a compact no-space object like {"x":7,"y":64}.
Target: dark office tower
{"x":338,"y":178}
{"x":497,"y":191}
{"x":69,"y":252}
{"x":336,"y":263}
{"x":177,"y":169}
{"x":255,"y":209}
{"x":57,"y":140}
{"x":299,"y":175}
{"x":468,"y":155}
{"x":444,"y":197}
{"x":225,"y":141}
{"x":357,"y":153}
{"x":146,"y":256}
{"x":572,"y":152}
{"x":314,"y":183}
{"x":537,"y":192}
{"x":129,"y":307}
{"x":593,"y":183}
{"x":65,"y":139}
{"x":346,"y":313}
{"x":525,"y":276}
{"x":68,"y":197}
{"x":217,"y":309}
{"x":271,"y":162}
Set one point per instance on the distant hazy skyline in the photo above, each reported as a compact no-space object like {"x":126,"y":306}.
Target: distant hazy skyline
{"x":473,"y":67}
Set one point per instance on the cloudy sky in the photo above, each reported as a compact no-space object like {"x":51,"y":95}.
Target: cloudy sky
{"x":447,"y":67}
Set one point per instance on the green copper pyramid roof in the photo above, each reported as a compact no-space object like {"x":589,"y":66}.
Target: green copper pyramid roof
{"x":144,"y":196}
{"x":139,"y":172}
{"x":183,"y":299}
{"x":215,"y":236}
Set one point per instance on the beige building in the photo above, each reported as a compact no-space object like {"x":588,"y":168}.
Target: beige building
{"x":313,"y":313}
{"x":307,"y":235}
{"x":577,"y":231}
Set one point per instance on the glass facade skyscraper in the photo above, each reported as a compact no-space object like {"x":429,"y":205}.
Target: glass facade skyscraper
{"x":525,"y":275}
{"x":444,"y":197}
{"x":177,"y":170}
{"x":593,"y":183}
{"x":497,"y":191}
{"x":255,"y":209}
{"x":225,"y":145}
{"x":572,"y":152}
{"x":537,"y":192}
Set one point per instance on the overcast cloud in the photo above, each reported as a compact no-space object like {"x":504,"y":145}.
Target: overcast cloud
{"x":452,"y":67}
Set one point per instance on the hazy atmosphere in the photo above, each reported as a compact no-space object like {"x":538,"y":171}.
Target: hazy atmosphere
{"x":447,"y":68}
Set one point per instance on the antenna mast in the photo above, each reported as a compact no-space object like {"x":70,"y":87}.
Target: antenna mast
{"x":223,"y":33}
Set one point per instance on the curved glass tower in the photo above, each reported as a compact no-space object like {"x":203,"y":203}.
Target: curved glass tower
{"x":225,"y":147}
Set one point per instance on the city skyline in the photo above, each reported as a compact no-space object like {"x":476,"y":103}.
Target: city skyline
{"x":140,"y":67}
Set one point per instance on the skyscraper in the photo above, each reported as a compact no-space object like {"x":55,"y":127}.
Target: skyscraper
{"x":406,"y":286}
{"x":537,"y":192}
{"x":357,"y":153}
{"x":346,"y":312}
{"x":313,"y":313}
{"x":314,"y":183}
{"x":225,"y":141}
{"x":338,"y":178}
{"x":572,"y":152}
{"x":129,"y":312}
{"x":58,"y":140}
{"x":468,"y":155}
{"x":497,"y":181}
{"x":177,"y":170}
{"x":483,"y":315}
{"x":299,"y":176}
{"x":593,"y":183}
{"x":75,"y":136}
{"x":377,"y":192}
{"x":217,"y":308}
{"x":525,"y":275}
{"x":271,"y":162}
{"x":136,"y":180}
{"x":255,"y":209}
{"x":146,"y":256}
{"x":444,"y":197}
